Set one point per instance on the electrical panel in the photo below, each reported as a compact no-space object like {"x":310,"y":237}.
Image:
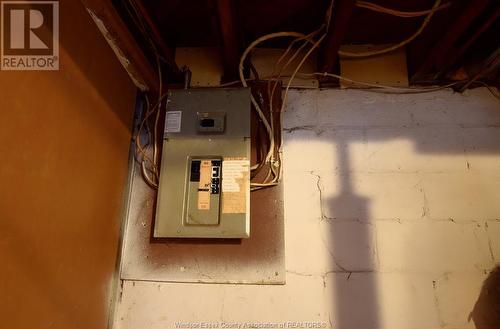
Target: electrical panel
{"x":204,"y":189}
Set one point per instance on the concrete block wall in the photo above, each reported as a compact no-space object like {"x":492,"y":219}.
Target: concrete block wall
{"x":406,"y":187}
{"x":392,"y":220}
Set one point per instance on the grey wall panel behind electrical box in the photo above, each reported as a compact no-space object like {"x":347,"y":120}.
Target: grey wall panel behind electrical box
{"x":204,"y":189}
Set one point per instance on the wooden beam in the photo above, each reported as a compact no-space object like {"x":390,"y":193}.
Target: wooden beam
{"x":228,"y":31}
{"x":491,"y":64}
{"x":341,"y":16}
{"x":437,"y":56}
{"x":123,"y":43}
{"x":165,"y":50}
{"x":456,"y":54}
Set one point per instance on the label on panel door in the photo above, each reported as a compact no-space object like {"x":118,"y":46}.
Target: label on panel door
{"x":173,"y":121}
{"x":234,"y":185}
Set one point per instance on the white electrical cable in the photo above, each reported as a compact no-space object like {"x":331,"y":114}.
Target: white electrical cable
{"x":261,"y":114}
{"x":152,"y":182}
{"x":384,"y":88}
{"x":299,"y":36}
{"x":397,"y":46}
{"x":315,"y":45}
{"x":260,"y":40}
{"x":398,"y":13}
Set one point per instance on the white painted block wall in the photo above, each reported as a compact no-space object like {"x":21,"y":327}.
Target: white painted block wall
{"x":392,"y":214}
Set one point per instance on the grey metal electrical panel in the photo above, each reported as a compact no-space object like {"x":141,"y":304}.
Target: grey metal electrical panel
{"x":204,"y":189}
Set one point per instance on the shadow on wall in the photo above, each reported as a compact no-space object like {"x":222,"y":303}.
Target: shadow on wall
{"x":486,"y":312}
{"x":347,"y":245}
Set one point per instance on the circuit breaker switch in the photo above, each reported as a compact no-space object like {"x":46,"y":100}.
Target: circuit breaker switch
{"x":211,"y":122}
{"x":202,"y":195}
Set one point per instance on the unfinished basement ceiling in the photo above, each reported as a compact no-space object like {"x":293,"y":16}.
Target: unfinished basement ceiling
{"x":459,"y":40}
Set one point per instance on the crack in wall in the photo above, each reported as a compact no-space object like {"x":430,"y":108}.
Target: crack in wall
{"x":296,"y":128}
{"x":223,"y":305}
{"x":375,"y":248}
{"x":329,"y":219}
{"x":323,"y":217}
{"x":334,"y":258}
{"x":425,"y":206}
{"x":490,"y":247}
{"x":320,"y":191}
{"x":435,"y":288}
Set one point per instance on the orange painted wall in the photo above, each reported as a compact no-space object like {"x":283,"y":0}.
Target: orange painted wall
{"x":64,"y":148}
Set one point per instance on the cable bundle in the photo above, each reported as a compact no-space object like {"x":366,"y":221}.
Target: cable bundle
{"x":149,"y":165}
{"x":398,"y":13}
{"x":273,"y":176}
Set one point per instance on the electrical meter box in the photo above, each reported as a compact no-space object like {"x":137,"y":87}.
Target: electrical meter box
{"x":204,"y":189}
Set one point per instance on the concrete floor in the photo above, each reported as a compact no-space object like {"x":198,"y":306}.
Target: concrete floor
{"x":392,"y":220}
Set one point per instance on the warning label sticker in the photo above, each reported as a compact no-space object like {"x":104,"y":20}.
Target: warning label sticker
{"x":232,"y":173}
{"x":173,"y":121}
{"x":235,"y":180}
